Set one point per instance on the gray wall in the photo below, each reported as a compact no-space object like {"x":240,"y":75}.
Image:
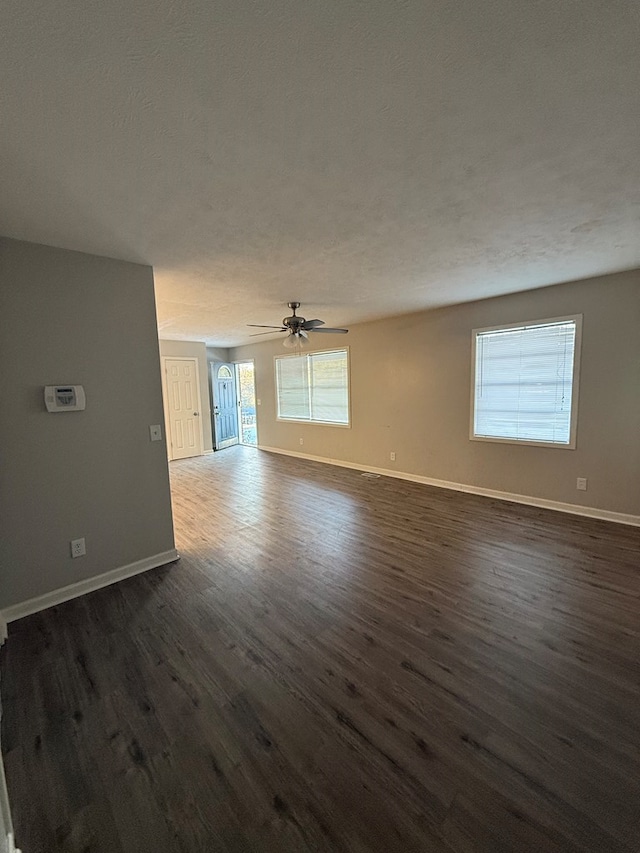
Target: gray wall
{"x":410,"y":393}
{"x":77,"y":318}
{"x":217,"y":354}
{"x":197,"y":350}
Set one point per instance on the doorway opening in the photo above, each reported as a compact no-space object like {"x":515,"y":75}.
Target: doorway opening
{"x":234,"y":404}
{"x":246,"y":385}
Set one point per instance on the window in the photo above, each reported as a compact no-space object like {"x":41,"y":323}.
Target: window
{"x":313,"y":387}
{"x":525,"y":383}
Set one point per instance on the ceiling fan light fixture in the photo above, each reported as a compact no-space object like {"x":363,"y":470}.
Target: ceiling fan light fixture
{"x":295,"y":339}
{"x":297,"y":328}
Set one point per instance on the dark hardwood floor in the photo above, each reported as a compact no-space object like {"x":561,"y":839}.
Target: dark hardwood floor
{"x":337,"y":664}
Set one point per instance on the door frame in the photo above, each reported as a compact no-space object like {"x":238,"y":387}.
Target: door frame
{"x":255,"y":394}
{"x":165,"y":399}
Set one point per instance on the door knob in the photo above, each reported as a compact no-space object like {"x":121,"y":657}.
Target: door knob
{"x":195,"y":414}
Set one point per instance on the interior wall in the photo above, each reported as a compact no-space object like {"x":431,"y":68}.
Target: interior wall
{"x":217,"y":354}
{"x":410,"y":394}
{"x":67,"y":317}
{"x":197,"y":350}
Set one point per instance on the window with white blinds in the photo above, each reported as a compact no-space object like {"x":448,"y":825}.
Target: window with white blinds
{"x":526,"y":382}
{"x":313,"y":387}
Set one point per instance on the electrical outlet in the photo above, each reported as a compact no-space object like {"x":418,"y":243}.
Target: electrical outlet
{"x":581,"y":484}
{"x":302,"y":441}
{"x":78,"y":547}
{"x":392,"y":456}
{"x":155,"y":432}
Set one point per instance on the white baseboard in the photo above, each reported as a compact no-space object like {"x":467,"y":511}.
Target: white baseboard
{"x":66,"y":593}
{"x":543,"y":503}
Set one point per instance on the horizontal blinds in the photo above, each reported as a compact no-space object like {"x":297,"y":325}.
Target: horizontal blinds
{"x":293,"y":388}
{"x":329,"y":387}
{"x":314,"y":387}
{"x":523,"y":386}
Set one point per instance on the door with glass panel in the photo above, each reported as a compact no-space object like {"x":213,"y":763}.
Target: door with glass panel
{"x":225,"y":407}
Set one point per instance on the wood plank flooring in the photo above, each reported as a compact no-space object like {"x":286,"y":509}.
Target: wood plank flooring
{"x":337,"y":664}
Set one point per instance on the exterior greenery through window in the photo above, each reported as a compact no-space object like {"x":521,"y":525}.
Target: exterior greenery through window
{"x":313,"y":387}
{"x":526,"y":382}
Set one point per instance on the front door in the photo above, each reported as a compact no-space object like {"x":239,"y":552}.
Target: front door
{"x":182,"y":399}
{"x":225,"y":407}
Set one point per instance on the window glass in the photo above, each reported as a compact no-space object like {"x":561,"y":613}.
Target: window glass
{"x":524,"y":383}
{"x":313,"y":387}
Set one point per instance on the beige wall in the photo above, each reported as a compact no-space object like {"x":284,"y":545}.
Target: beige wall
{"x":77,"y":318}
{"x":197,"y":350}
{"x":410,"y":393}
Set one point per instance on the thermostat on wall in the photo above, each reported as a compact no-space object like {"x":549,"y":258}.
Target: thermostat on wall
{"x":64,"y":398}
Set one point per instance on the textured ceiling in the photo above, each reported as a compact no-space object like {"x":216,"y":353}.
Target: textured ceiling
{"x":364,"y":157}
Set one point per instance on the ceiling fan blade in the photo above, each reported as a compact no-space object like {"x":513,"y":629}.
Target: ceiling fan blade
{"x":262,"y":326}
{"x":311,"y":324}
{"x":331,"y":331}
{"x":257,"y":334}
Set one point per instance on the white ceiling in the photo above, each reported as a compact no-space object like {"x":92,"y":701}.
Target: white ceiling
{"x":366,"y":157}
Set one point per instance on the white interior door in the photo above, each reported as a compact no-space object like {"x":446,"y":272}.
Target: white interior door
{"x":182,"y":400}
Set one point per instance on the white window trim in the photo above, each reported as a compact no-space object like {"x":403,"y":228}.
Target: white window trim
{"x":575,"y":386}
{"x":302,"y":420}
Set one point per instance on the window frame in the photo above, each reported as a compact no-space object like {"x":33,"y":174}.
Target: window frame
{"x":303,"y":354}
{"x":575,"y":382}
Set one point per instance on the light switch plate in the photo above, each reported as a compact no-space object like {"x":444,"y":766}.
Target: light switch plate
{"x":155,"y":432}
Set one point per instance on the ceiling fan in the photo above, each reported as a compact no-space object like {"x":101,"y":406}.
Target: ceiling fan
{"x":297,"y":327}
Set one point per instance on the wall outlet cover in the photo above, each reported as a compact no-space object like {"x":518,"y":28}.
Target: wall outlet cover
{"x":78,"y":547}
